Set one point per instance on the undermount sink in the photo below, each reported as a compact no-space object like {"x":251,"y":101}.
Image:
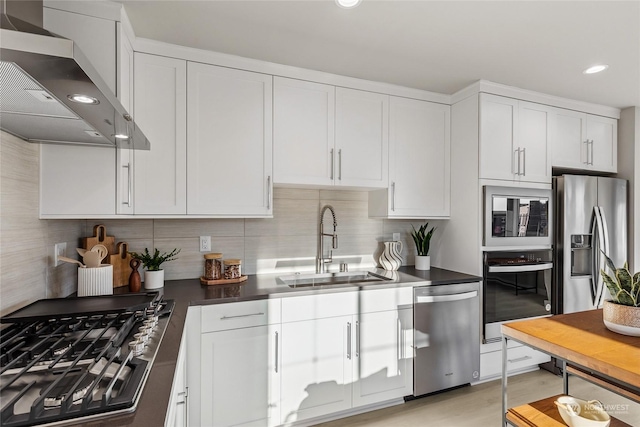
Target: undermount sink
{"x":321,"y":279}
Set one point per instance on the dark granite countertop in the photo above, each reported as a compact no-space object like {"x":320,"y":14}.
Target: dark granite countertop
{"x":154,"y":400}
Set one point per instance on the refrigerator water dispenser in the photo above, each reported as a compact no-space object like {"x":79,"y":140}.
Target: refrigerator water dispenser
{"x":581,"y":254}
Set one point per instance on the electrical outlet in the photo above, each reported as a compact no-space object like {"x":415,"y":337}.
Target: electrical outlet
{"x":60,"y":249}
{"x":205,"y":243}
{"x":396,"y":236}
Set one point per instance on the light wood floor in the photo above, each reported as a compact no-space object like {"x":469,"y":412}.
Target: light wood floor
{"x":480,"y":405}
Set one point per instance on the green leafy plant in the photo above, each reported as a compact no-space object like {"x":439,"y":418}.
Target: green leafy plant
{"x":153,"y":262}
{"x":623,"y":286}
{"x":422,"y":238}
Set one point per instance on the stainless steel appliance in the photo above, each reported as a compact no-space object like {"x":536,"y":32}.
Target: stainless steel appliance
{"x":74,"y":359}
{"x":517,"y":218}
{"x":517,"y":285}
{"x":50,"y":91}
{"x":591,"y":219}
{"x":446,"y":336}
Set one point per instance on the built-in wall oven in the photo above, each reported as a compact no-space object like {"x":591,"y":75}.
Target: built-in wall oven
{"x":517,"y":285}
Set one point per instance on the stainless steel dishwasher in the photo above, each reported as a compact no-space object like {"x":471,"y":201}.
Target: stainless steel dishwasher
{"x":446,"y":321}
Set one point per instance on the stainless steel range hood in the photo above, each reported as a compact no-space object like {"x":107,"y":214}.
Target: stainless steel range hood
{"x":40,"y":73}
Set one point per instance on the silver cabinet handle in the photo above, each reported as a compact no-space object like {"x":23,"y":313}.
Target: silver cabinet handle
{"x":332,"y":163}
{"x":519,"y":359}
{"x":443,"y":298}
{"x":516,"y":154}
{"x":269,"y":192}
{"x":340,"y":164}
{"x":128,"y":167}
{"x":586,"y":142}
{"x":241,"y":315}
{"x":349,"y":340}
{"x":276,"y":363}
{"x":393,"y":196}
{"x":524,"y":161}
{"x":591,"y":143}
{"x":357,"y":338}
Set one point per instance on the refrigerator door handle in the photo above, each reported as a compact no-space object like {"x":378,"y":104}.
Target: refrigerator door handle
{"x":600,"y":245}
{"x":606,"y":247}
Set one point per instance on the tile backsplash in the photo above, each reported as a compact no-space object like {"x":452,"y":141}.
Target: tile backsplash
{"x":287,"y":242}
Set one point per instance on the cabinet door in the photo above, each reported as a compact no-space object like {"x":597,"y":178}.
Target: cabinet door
{"x":419,"y":159}
{"x":569,"y":140}
{"x":303,"y":132}
{"x":239,"y":380}
{"x":177,"y":414}
{"x":383,"y":363}
{"x":229,"y":141}
{"x":602,"y":132}
{"x":77,"y":181}
{"x":534,"y":124}
{"x":160,"y":111}
{"x":316,"y":367}
{"x":362,"y":138}
{"x":498,"y":133}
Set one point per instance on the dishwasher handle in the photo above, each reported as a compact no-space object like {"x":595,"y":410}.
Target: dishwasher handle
{"x":444,"y":298}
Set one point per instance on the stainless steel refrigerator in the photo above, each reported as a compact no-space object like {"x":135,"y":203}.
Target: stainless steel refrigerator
{"x":590,"y":218}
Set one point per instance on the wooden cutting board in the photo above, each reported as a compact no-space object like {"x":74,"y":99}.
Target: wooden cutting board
{"x":100,"y":237}
{"x":121,"y":265}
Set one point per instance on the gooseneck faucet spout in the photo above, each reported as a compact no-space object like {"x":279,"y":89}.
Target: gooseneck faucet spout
{"x":320,"y":259}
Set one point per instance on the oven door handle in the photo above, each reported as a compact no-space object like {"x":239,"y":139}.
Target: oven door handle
{"x":519,"y":268}
{"x":445,"y":298}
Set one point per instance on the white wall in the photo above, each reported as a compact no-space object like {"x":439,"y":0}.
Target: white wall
{"x":629,"y":168}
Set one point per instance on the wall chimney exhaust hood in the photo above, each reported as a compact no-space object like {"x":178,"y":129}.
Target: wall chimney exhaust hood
{"x":41,"y":74}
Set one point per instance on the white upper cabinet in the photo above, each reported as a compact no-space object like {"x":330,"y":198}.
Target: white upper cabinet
{"x":229,"y":141}
{"x":514,"y":139}
{"x":419,"y":162}
{"x":160,"y":89}
{"x":327,"y":136}
{"x":303,"y":132}
{"x":585,"y":142}
{"x":362,"y":138}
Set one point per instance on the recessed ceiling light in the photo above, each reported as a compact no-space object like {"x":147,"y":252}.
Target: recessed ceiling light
{"x":83,"y":99}
{"x":121,"y":136}
{"x":348,"y":4}
{"x":595,"y":69}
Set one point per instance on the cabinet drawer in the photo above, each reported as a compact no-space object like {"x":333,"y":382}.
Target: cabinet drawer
{"x":518,"y":358}
{"x":385,"y":299}
{"x":220,"y":317}
{"x":310,"y":307}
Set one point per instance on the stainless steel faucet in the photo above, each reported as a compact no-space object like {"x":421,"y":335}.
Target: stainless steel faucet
{"x":320,"y":259}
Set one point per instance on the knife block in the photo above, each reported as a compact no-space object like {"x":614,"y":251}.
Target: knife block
{"x":95,"y":281}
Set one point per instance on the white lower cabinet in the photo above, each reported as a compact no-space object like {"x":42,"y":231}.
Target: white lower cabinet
{"x":240,"y":379}
{"x":383,"y":356}
{"x":316,"y":367}
{"x":280,"y":361}
{"x":519,"y":358}
{"x":177,"y":413}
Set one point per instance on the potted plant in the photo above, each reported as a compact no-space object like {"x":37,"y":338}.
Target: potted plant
{"x":422,"y":239}
{"x":622,"y":314}
{"x":154,"y":276}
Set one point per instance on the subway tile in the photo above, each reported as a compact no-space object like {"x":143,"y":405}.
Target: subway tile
{"x":266,"y":254}
{"x":362,"y":196}
{"x":123,"y":230}
{"x":166,"y":228}
{"x":190,"y":262}
{"x":352,"y":218}
{"x":290,"y":217}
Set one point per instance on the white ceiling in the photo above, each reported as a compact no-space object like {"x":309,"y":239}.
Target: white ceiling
{"x":440,"y":46}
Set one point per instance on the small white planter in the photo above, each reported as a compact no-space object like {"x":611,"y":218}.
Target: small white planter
{"x":423,"y":262}
{"x":153,"y":279}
